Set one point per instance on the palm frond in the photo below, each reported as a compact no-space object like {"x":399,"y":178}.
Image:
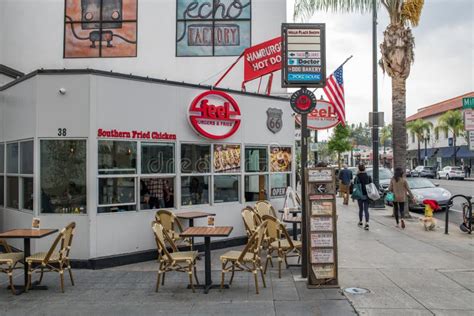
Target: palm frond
{"x":304,"y":9}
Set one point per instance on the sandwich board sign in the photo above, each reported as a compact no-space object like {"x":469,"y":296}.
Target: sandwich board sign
{"x":304,"y":55}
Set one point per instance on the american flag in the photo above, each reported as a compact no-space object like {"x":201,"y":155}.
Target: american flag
{"x":334,"y":90}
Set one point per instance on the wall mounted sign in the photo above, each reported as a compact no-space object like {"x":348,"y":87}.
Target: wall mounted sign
{"x":99,"y":28}
{"x":304,"y":55}
{"x":274,"y":120}
{"x":214,"y":114}
{"x":262,"y":59}
{"x":303,"y":101}
{"x":212,"y":27}
{"x":322,"y":117}
{"x":469,"y":120}
{"x":135,"y":134}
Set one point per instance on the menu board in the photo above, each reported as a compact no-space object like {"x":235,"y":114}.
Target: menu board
{"x":321,"y":223}
{"x":322,"y":255}
{"x":321,"y":207}
{"x":321,"y":240}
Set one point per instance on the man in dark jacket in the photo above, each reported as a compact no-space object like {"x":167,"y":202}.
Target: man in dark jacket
{"x":345,"y":178}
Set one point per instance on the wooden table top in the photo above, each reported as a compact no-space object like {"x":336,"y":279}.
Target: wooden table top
{"x":204,"y":231}
{"x":27,"y":233}
{"x":193,"y":214}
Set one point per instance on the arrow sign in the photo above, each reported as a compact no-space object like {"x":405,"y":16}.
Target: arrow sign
{"x":321,"y":188}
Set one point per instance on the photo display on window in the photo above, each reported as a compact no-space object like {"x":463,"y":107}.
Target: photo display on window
{"x":100,"y":28}
{"x":280,"y":159}
{"x":212,"y":27}
{"x":226,"y":158}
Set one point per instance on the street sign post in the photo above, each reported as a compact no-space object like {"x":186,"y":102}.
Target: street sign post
{"x":304,"y":55}
{"x":303,"y":101}
{"x":468,"y":103}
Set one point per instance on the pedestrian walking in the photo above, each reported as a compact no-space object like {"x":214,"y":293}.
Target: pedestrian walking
{"x":345,"y":178}
{"x":399,"y":188}
{"x":360,"y":194}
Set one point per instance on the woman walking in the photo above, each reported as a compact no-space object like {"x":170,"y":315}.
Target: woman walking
{"x":399,"y":188}
{"x":363,"y":179}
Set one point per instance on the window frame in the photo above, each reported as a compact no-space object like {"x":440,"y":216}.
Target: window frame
{"x":217,"y":174}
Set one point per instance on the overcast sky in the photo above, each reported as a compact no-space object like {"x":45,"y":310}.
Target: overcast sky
{"x":444,"y":56}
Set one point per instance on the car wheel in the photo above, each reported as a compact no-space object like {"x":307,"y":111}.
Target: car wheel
{"x":447,"y":176}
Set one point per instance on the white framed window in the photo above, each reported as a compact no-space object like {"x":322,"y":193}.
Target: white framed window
{"x":17,"y":181}
{"x":280,"y":170}
{"x":196,"y":173}
{"x":256,"y":173}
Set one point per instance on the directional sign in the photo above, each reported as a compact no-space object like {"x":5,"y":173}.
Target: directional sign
{"x":304,"y":55}
{"x":471,"y":141}
{"x":468,"y":103}
{"x":469,"y":120}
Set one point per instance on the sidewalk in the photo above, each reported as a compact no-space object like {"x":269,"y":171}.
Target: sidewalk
{"x":408,"y":272}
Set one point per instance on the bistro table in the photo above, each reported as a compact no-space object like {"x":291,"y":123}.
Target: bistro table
{"x":295,"y":220}
{"x":191,"y":216}
{"x":27,"y":234}
{"x":207,"y":233}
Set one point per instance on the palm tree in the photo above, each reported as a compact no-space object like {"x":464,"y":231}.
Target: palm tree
{"x":386,"y":135}
{"x":397,"y":52}
{"x":451,"y":121}
{"x":419,"y":127}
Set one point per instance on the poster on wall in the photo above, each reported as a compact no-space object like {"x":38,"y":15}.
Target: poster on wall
{"x":212,"y":28}
{"x":99,"y":28}
{"x":227,"y":158}
{"x":280,"y":159}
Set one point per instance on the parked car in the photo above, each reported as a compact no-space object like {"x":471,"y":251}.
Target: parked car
{"x":450,"y":172}
{"x":427,"y":172}
{"x":416,"y":172}
{"x":384,"y":177}
{"x":424,"y":189}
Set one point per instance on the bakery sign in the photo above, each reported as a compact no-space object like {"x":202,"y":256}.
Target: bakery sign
{"x":214,"y":115}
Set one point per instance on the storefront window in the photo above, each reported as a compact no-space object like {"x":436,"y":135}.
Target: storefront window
{"x":2,"y":169}
{"x":2,"y":190}
{"x":2,"y":158}
{"x":279,"y":183}
{"x":156,"y":193}
{"x":195,"y":158}
{"x":194,"y":190}
{"x":12,"y":158}
{"x":63,"y":176}
{"x":226,"y":189}
{"x":227,"y":158}
{"x":280,"y":159}
{"x":117,"y":157}
{"x":256,"y":159}
{"x":27,"y":193}
{"x":116,"y":194}
{"x":26,"y":157}
{"x":12,"y":192}
{"x":256,"y":187}
{"x":157,"y":158}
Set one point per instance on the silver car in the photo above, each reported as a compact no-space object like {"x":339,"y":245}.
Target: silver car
{"x":424,"y":189}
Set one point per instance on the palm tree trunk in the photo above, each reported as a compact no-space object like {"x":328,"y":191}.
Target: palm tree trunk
{"x":455,"y":151}
{"x":399,"y":133}
{"x":419,"y":152}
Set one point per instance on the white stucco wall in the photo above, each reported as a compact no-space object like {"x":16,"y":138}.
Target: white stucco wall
{"x":31,"y":37}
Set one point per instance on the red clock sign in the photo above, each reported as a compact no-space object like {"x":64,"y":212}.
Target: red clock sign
{"x":214,"y":114}
{"x":303,"y":101}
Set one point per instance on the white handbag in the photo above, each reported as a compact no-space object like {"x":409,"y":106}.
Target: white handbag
{"x":372,"y":191}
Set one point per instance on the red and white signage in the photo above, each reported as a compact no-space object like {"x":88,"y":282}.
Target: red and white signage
{"x":324,"y":116}
{"x":262,"y":59}
{"x":135,"y":134}
{"x":214,"y":114}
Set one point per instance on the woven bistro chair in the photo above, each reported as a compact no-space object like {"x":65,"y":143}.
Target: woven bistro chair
{"x":264,"y":208}
{"x":8,"y":261}
{"x":54,"y":260}
{"x":281,"y":242}
{"x":181,"y":261}
{"x":246,"y":260}
{"x":251,"y":220}
{"x":173,"y":227}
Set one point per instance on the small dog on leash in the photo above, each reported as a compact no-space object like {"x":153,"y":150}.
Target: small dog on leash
{"x":428,"y":221}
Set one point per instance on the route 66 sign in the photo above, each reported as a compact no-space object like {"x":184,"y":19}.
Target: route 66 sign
{"x":274,"y":121}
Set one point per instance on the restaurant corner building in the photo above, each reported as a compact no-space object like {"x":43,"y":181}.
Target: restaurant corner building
{"x":105,"y":142}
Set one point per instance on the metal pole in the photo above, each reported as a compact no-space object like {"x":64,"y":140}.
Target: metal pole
{"x":316,"y":151}
{"x":375,"y":127}
{"x":304,"y":161}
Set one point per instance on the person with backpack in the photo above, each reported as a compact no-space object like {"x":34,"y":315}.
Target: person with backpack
{"x":399,"y":188}
{"x":360,"y":194}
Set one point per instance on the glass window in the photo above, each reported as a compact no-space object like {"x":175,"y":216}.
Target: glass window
{"x":226,"y":189}
{"x":256,"y":187}
{"x":195,"y":158}
{"x":194,"y":190}
{"x":2,"y":157}
{"x":226,"y":158}
{"x":280,"y":159}
{"x":116,"y":190}
{"x":157,"y":158}
{"x":2,"y":190}
{"x":63,"y":176}
{"x":117,"y":157}
{"x":12,"y":158}
{"x":279,"y":183}
{"x":26,"y":157}
{"x":156,"y":193}
{"x":256,"y":159}
{"x":12,"y":192}
{"x":27,"y":192}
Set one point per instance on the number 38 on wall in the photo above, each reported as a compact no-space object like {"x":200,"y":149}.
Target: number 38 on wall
{"x":62,"y":132}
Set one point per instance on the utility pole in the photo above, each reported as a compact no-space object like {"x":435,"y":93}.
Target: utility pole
{"x":375,"y":127}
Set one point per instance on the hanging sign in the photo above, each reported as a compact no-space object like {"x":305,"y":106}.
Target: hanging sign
{"x":469,"y":120}
{"x":304,"y":55}
{"x":214,"y":114}
{"x":323,"y":117}
{"x":262,"y":59}
{"x":303,"y":101}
